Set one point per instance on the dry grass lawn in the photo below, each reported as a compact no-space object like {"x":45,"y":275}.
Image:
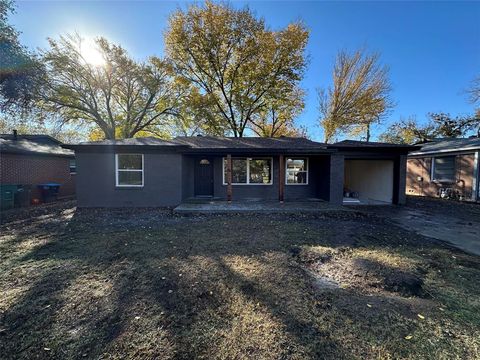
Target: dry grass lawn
{"x":147,"y":284}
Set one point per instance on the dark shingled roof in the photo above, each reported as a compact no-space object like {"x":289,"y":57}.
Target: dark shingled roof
{"x":448,"y":145}
{"x":249,"y":143}
{"x":32,"y":144}
{"x":370,"y":144}
{"x":148,"y":141}
{"x":246,"y":144}
{"x":215,"y":143}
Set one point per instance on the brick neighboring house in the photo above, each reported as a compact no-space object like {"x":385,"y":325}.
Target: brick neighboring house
{"x":36,"y":159}
{"x":444,"y":166}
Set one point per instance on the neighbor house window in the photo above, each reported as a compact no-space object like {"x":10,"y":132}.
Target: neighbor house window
{"x":296,"y":171}
{"x":444,"y":168}
{"x":129,"y":170}
{"x":253,"y":171}
{"x":73,"y":166}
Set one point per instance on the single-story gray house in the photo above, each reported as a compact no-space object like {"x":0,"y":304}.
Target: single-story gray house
{"x":150,"y":172}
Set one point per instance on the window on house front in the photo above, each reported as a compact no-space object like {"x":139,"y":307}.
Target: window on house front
{"x":296,"y":171}
{"x":253,"y":171}
{"x":73,"y":166}
{"x":444,"y":168}
{"x":239,"y":171}
{"x":129,"y":170}
{"x":260,"y":171}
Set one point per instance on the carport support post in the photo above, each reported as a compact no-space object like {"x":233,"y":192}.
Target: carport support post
{"x":337,"y":174}
{"x":229,"y":178}
{"x":281,"y":178}
{"x":399,"y":180}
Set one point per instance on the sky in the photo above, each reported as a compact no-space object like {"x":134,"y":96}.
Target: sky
{"x":431,"y":48}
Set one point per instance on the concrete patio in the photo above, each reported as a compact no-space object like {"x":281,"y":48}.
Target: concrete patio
{"x":256,"y":206}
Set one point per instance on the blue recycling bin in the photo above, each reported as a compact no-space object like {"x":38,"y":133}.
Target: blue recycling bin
{"x":49,"y":191}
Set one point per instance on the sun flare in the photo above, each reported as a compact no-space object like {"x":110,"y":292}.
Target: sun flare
{"x":91,"y":53}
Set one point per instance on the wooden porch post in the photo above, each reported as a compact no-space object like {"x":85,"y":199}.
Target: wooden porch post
{"x":281,"y":178}
{"x":229,"y":178}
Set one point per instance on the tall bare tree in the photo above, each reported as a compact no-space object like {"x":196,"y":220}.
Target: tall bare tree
{"x":474,"y":93}
{"x":359,"y":97}
{"x":234,"y":59}
{"x":118,"y":94}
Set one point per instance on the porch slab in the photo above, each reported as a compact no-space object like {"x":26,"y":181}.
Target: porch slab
{"x":213,"y":207}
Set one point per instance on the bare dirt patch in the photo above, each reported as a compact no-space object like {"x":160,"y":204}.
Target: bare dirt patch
{"x":364,"y":271}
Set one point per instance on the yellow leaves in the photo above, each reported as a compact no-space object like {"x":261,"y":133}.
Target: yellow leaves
{"x":96,"y":134}
{"x":232,"y":56}
{"x":408,"y":337}
{"x":421,"y":316}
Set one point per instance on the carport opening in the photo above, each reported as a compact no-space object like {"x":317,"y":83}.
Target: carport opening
{"x":368,"y":182}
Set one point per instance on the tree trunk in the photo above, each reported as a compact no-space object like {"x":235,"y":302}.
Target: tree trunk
{"x":110,"y":134}
{"x":368,"y":132}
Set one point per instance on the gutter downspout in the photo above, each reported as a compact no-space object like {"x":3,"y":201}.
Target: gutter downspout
{"x":229,"y":178}
{"x":281,"y":179}
{"x":476,"y":180}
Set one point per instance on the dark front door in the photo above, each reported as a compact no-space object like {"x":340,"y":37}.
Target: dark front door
{"x":204,"y":177}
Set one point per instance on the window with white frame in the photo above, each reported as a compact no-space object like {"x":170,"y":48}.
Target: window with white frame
{"x":249,"y":171}
{"x":443,"y":169}
{"x":72,"y":166}
{"x":296,"y":171}
{"x":129,"y":170}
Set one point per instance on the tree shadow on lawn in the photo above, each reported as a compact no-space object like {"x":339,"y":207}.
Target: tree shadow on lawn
{"x":215,"y":286}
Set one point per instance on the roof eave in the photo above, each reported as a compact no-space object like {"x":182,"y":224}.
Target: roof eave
{"x":257,"y":150}
{"x":76,"y":147}
{"x":36,"y":153}
{"x":432,"y":152}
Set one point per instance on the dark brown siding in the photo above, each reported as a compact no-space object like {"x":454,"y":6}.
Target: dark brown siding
{"x":32,"y":170}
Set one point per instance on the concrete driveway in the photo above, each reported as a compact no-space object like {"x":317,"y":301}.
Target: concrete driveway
{"x":453,"y":222}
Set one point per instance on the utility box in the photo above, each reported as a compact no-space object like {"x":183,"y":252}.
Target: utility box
{"x":7,"y":196}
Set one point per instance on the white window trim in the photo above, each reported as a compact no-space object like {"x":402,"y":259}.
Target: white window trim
{"x":306,"y":171}
{"x":126,"y":170}
{"x":476,"y":178}
{"x":70,"y":168}
{"x":432,"y":171}
{"x":248,"y":170}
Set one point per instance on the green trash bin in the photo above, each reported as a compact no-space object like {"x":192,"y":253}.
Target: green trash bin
{"x":23,"y":195}
{"x":7,"y":196}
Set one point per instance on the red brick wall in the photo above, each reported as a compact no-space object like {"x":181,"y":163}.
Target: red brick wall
{"x":37,"y":169}
{"x":420,"y":168}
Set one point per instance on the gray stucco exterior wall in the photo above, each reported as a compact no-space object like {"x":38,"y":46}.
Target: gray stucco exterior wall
{"x":188,"y":167}
{"x":337,"y":163}
{"x":401,"y":175}
{"x":96,"y":181}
